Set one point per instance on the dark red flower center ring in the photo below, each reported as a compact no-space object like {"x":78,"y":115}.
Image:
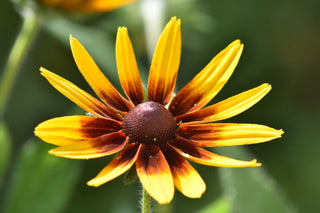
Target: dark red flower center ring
{"x":149,"y":123}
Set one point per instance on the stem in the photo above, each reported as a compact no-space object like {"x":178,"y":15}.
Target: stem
{"x":145,"y":202}
{"x":17,"y":55}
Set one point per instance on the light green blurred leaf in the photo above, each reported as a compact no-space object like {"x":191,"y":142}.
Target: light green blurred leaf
{"x":40,"y":182}
{"x":222,"y":205}
{"x":252,"y":189}
{"x":5,"y":149}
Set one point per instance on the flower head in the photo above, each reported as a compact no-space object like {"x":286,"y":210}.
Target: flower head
{"x":159,"y":140}
{"x":85,"y":5}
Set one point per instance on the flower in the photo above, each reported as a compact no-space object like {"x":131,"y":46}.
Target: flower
{"x":159,"y":140}
{"x":85,"y":6}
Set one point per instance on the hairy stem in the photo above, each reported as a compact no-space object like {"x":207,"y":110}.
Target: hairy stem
{"x":145,"y":202}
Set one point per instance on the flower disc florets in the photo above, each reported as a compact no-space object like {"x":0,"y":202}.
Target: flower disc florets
{"x":149,"y":122}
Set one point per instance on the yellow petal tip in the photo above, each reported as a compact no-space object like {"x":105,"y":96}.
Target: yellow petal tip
{"x":122,"y":28}
{"x":266,"y":86}
{"x":72,"y":40}
{"x":241,"y":47}
{"x":36,"y":132}
{"x":122,"y":31}
{"x":167,"y":201}
{"x":277,"y":133}
{"x":93,"y":183}
{"x":45,"y":73}
{"x":42,"y":69}
{"x":174,"y":20}
{"x":236,"y":42}
{"x":52,"y":152}
{"x":280,"y":132}
{"x":254,"y":163}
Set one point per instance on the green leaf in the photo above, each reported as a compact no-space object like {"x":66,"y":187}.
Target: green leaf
{"x":252,"y":189}
{"x":221,"y":205}
{"x":5,"y":150}
{"x":40,"y":182}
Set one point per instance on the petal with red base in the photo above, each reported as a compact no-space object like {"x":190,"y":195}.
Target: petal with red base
{"x":165,"y":63}
{"x":185,"y":177}
{"x":154,"y":173}
{"x":202,"y":156}
{"x":70,"y":129}
{"x":127,"y":67}
{"x":227,"y":108}
{"x":205,"y":85}
{"x":97,"y":80}
{"x":93,"y":148}
{"x":117,"y":166}
{"x":78,"y":96}
{"x":227,"y":134}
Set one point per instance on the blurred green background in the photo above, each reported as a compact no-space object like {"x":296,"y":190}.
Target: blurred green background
{"x":281,"y":48}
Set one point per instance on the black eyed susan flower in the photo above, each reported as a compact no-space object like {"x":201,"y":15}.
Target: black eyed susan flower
{"x":159,"y":140}
{"x":85,"y":5}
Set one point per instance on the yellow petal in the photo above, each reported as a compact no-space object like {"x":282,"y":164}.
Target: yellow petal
{"x":127,"y":67}
{"x":202,"y":156}
{"x":117,"y":166}
{"x":86,"y":6}
{"x":185,"y":177}
{"x":78,"y":96}
{"x":229,"y":107}
{"x":69,"y":129}
{"x":228,"y":134}
{"x":97,"y":80}
{"x":205,"y":85}
{"x":154,"y":173}
{"x":93,"y":148}
{"x":165,"y":63}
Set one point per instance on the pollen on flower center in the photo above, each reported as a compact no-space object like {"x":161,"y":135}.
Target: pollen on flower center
{"x":149,"y":122}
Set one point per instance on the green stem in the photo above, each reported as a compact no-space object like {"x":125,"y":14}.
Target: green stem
{"x":17,"y":55}
{"x":145,"y":202}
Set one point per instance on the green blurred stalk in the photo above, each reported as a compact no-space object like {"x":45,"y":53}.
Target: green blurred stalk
{"x":145,"y":202}
{"x":30,"y":28}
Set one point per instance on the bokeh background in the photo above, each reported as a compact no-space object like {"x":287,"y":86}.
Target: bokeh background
{"x":281,"y":48}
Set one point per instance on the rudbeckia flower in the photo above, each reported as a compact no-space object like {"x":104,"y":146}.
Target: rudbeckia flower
{"x":162,"y":134}
{"x":85,"y":5}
